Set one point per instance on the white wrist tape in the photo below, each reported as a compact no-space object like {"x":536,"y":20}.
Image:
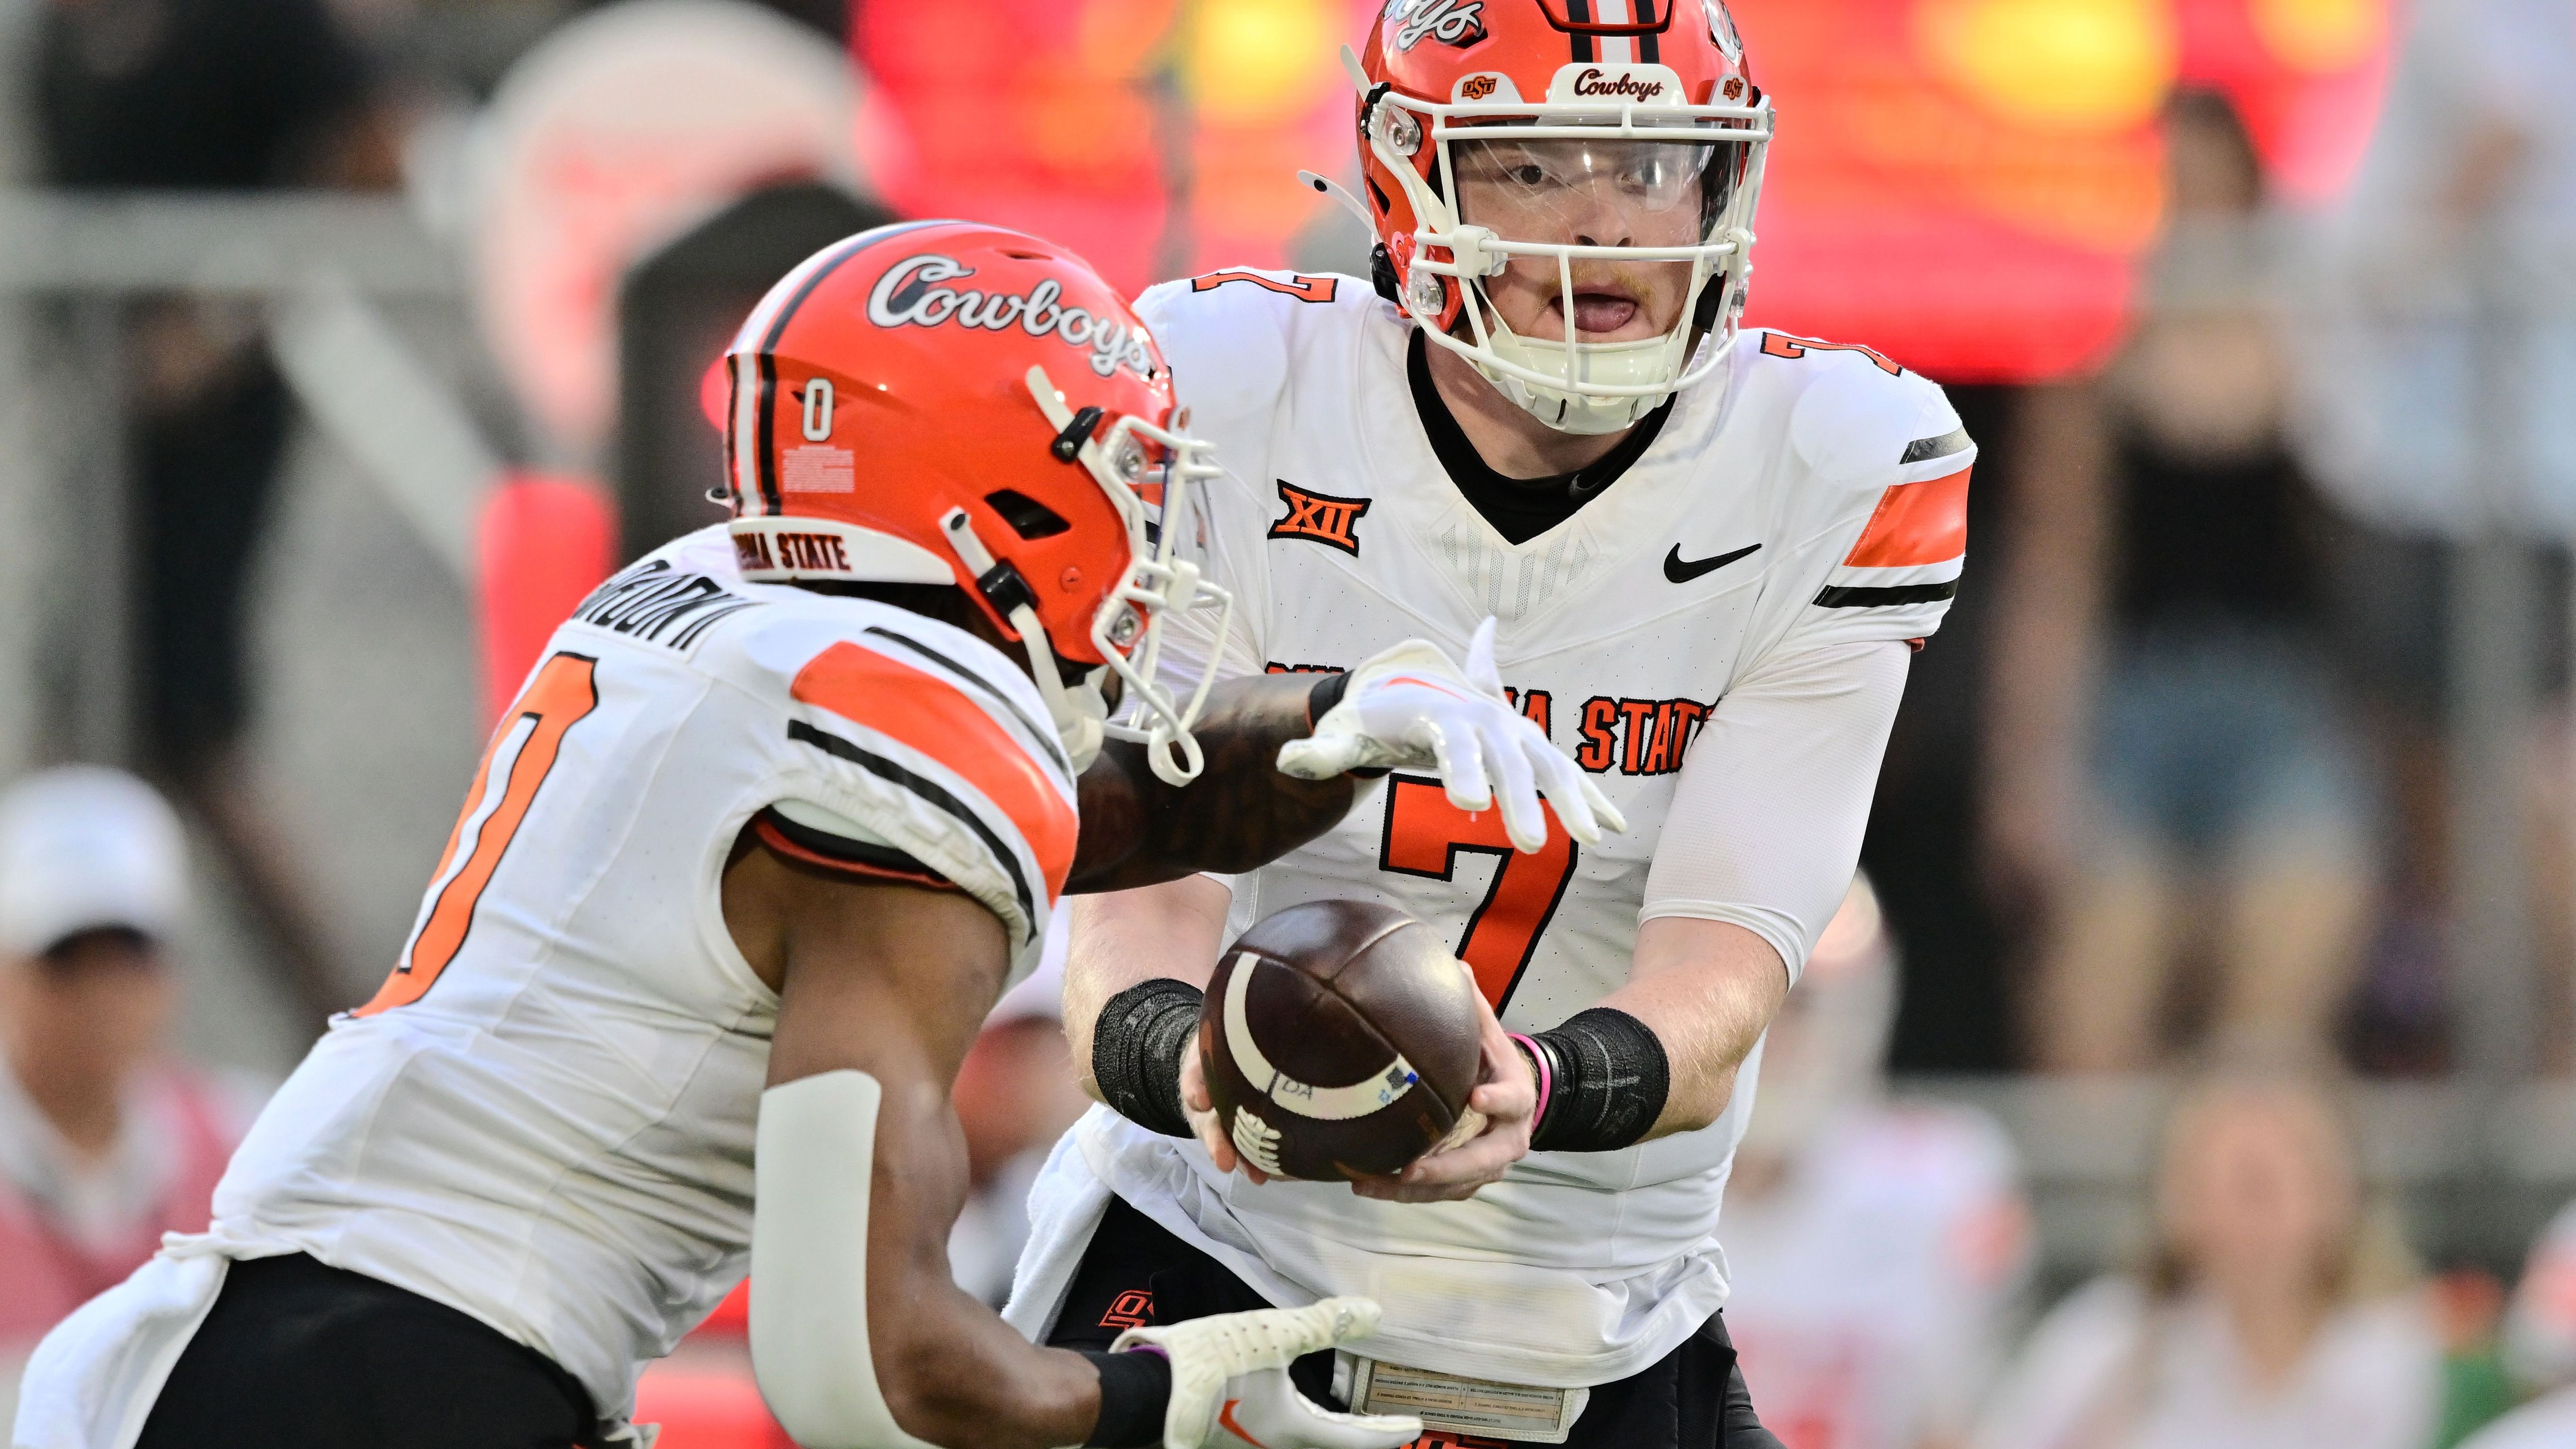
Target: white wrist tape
{"x":809,"y":1264}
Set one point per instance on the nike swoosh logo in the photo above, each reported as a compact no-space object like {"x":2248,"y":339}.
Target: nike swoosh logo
{"x":1681,"y":573}
{"x":1225,"y":1416}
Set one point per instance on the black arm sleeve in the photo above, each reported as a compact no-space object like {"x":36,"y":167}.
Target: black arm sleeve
{"x":1607,"y":1080}
{"x":1136,"y":1052}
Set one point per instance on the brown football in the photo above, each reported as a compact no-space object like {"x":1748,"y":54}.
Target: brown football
{"x":1339,"y":1040}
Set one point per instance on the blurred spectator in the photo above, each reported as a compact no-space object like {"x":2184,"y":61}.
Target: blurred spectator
{"x":2172,"y":629}
{"x":103,"y":1147}
{"x":2439,"y":337}
{"x":206,"y":95}
{"x":2446,"y":338}
{"x":2540,"y":1346}
{"x":2273,"y":1311}
{"x":1874,"y":1247}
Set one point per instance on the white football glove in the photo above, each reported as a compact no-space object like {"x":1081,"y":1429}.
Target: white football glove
{"x":1230,"y":1383}
{"x":1410,"y":708}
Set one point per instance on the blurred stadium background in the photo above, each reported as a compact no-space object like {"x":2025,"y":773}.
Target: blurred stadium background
{"x":345,"y":343}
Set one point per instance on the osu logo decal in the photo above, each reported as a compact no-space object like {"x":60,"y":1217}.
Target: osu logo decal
{"x":1132,"y":1308}
{"x":1321,"y":517}
{"x":1451,"y":22}
{"x":1477,"y":87}
{"x":907,"y":295}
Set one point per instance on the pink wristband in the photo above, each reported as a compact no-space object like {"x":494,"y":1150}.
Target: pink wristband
{"x":1546,"y":1078}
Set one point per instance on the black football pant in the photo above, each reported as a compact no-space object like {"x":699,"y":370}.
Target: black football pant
{"x":297,"y":1355}
{"x":1136,"y":1274}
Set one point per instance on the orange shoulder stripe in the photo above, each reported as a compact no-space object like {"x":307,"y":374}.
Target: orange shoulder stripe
{"x":1916,"y":524}
{"x":938,"y":719}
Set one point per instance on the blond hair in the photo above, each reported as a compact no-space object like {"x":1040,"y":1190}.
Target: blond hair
{"x":2368,"y":1260}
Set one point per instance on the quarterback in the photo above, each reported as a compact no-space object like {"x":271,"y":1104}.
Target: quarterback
{"x":784,"y":807}
{"x":1711,"y":551}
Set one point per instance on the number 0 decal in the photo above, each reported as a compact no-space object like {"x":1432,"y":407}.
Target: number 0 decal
{"x":1424,"y":835}
{"x":561,"y":694}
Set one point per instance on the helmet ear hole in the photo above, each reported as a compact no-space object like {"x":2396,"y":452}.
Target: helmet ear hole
{"x":1712,"y":300}
{"x":1027,"y":516}
{"x":1382,"y":274}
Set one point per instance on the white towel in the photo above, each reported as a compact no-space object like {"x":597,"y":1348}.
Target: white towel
{"x":95,"y":1377}
{"x":1066,"y":1204}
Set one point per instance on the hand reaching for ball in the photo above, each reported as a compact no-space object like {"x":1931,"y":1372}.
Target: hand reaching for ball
{"x":1506,"y":1099}
{"x":1411,"y":707}
{"x":1490,"y":1140}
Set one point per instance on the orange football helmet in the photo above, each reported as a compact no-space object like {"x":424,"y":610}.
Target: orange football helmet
{"x":950,"y":403}
{"x":1644,"y":96}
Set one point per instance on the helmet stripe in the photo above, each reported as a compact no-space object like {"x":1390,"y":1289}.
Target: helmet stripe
{"x":822,"y":267}
{"x":746,"y":464}
{"x":1648,"y":48}
{"x":796,"y":299}
{"x":1616,"y":49}
{"x":756,"y":476}
{"x":733,"y":430}
{"x":770,"y":502}
{"x":1580,"y":12}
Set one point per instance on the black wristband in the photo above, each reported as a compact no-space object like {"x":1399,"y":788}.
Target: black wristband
{"x":1328,"y":691}
{"x":1135,"y":1389}
{"x":1607,"y":1080}
{"x":1136,"y":1052}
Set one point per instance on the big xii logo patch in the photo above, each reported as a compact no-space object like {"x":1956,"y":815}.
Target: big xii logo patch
{"x":1331,"y":521}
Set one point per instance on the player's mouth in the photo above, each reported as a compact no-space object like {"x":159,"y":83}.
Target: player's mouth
{"x":1595,"y":312}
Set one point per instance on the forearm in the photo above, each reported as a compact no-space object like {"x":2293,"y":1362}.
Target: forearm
{"x":1707,"y":989}
{"x":1241,"y":812}
{"x":859,"y":1336}
{"x":954,"y":1373}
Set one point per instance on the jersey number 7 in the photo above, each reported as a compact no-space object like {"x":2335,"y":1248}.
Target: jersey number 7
{"x":564,"y":691}
{"x":1424,"y":836}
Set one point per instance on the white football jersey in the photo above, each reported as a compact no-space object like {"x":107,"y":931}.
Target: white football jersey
{"x":1805,"y":496}
{"x":1871,"y":1283}
{"x":546,"y":1117}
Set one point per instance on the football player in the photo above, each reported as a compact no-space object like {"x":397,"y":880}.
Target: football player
{"x":782,"y":810}
{"x":1875,"y":1247}
{"x":1711,"y":551}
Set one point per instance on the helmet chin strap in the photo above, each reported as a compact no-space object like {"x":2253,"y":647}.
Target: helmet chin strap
{"x":1081,"y":716}
{"x":1580,"y":413}
{"x":1644,"y":361}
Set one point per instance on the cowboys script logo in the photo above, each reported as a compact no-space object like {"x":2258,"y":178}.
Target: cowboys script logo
{"x":1451,"y":22}
{"x":1321,"y":517}
{"x":907,"y":295}
{"x":1592,"y":83}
